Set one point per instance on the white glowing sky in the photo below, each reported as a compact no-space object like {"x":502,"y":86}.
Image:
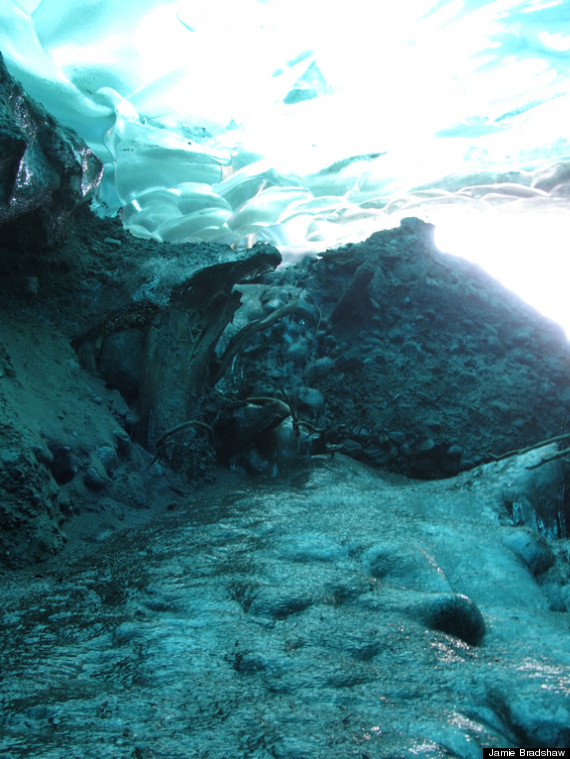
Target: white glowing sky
{"x":529,"y":253}
{"x":398,"y":76}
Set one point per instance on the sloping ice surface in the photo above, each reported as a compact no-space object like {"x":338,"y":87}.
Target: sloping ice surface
{"x":292,"y":123}
{"x":289,"y":620}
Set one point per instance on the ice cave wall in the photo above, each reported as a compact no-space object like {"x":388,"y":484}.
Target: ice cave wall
{"x":449,"y":367}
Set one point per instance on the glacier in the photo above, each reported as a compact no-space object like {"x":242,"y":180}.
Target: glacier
{"x":251,"y":510}
{"x":306,"y":128}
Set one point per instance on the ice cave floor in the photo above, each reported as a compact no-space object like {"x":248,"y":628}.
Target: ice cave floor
{"x":338,"y":612}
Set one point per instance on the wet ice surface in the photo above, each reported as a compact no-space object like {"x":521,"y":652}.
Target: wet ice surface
{"x":284,"y":620}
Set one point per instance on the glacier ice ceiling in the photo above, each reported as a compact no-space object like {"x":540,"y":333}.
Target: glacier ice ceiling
{"x":309,"y":126}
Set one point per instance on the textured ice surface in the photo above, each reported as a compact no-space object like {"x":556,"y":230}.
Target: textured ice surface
{"x":300,"y":619}
{"x":309,"y":127}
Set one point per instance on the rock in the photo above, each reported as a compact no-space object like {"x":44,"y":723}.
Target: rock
{"x":427,"y":446}
{"x":311,"y":399}
{"x":43,"y":454}
{"x":96,"y":478}
{"x":65,"y":505}
{"x":451,"y":460}
{"x":411,"y":350}
{"x":108,"y":457}
{"x":251,"y":462}
{"x":430,"y":338}
{"x":297,"y":350}
{"x":29,"y":513}
{"x":352,"y":448}
{"x":495,"y":346}
{"x":319,"y":368}
{"x":123,"y":444}
{"x":395,"y":336}
{"x":398,"y":437}
{"x":350,"y":360}
{"x":523,"y":335}
{"x":564,"y":395}
{"x":63,"y":467}
{"x":45,"y":168}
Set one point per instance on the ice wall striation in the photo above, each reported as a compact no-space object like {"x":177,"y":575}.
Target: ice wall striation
{"x":251,"y":120}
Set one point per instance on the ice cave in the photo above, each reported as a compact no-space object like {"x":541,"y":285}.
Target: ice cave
{"x":284,"y":379}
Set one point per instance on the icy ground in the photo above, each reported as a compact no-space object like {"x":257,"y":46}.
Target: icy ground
{"x":297,"y":620}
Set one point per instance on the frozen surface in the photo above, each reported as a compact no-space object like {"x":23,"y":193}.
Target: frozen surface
{"x":284,"y":121}
{"x":296,"y":619}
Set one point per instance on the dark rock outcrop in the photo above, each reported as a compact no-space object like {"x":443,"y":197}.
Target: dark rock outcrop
{"x":45,"y":169}
{"x":426,"y":365}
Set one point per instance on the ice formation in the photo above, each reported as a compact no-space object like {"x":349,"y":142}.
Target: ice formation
{"x":257,"y":119}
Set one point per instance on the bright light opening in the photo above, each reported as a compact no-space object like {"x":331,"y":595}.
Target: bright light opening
{"x":528,"y":252}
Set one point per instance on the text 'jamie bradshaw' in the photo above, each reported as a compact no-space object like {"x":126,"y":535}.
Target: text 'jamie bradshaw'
{"x":527,"y":752}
